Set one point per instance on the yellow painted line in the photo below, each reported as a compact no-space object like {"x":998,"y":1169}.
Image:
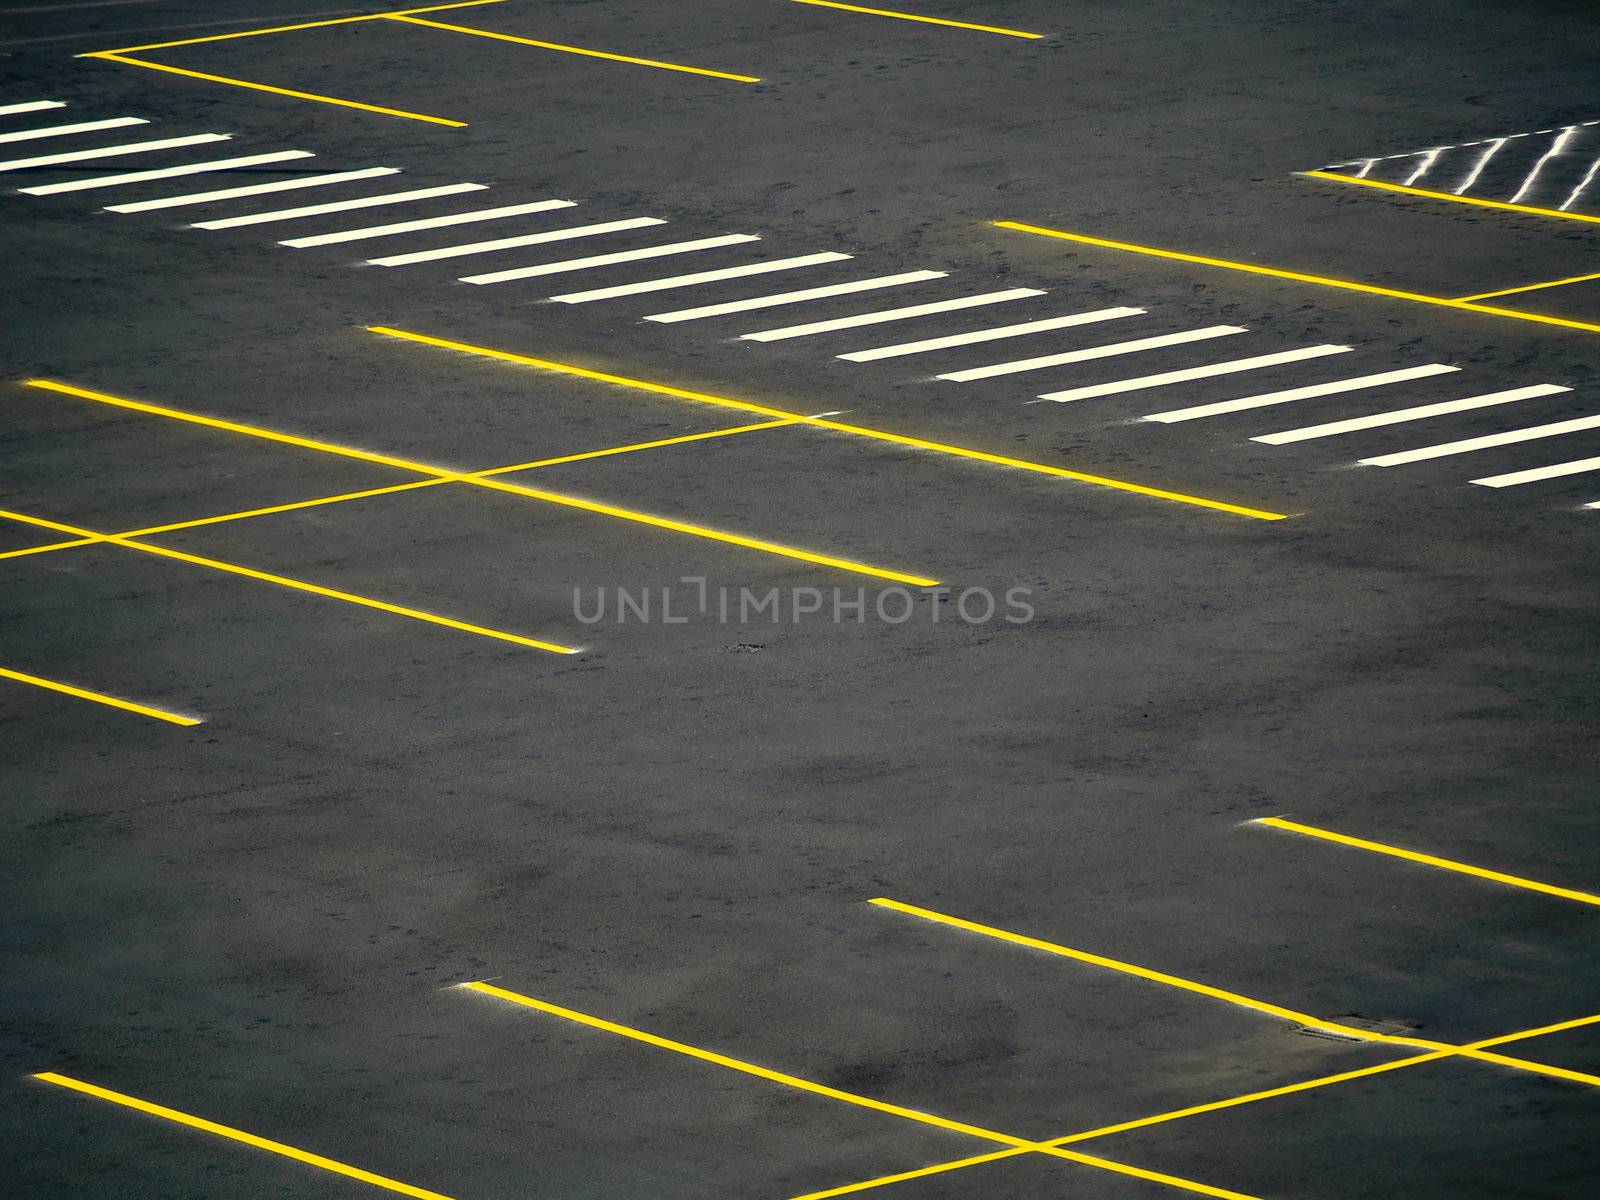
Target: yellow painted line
{"x":1198,"y":1109}
{"x":672,"y":441}
{"x":915,"y":443}
{"x":1347,"y":285}
{"x":238,"y":1135}
{"x":284,"y":581}
{"x":276,"y":91}
{"x":66,"y":689}
{"x":1261,"y":1006}
{"x":905,"y":16}
{"x":832,"y":1093}
{"x":549,"y":497}
{"x":368,"y":493}
{"x":959,"y":1164}
{"x":1430,"y":860}
{"x":246,"y":33}
{"x":1188,"y":985}
{"x":623,"y":58}
{"x":1532,"y":287}
{"x":1474,"y":201}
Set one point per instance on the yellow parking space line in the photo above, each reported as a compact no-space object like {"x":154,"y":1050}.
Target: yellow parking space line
{"x":1174,"y":981}
{"x":1200,"y":1109}
{"x":1274,"y":1010}
{"x":368,"y":493}
{"x":672,"y":441}
{"x":960,"y":1164}
{"x":549,"y":497}
{"x":1346,"y":285}
{"x":237,"y":1135}
{"x":833,"y":1093}
{"x":247,"y":514}
{"x":564,"y":49}
{"x":1430,"y":860}
{"x":284,"y":581}
{"x":66,"y":689}
{"x":914,"y":443}
{"x":247,"y":33}
{"x":1533,"y":287}
{"x":905,"y":16}
{"x":276,"y":91}
{"x":1474,"y":201}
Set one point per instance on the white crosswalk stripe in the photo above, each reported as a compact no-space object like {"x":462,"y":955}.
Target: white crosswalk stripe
{"x":1488,"y":441}
{"x":1109,"y":350}
{"x":76,"y":156}
{"x":1399,"y":416}
{"x":1581,"y":466}
{"x":890,"y":314}
{"x":29,"y":106}
{"x":398,"y":227}
{"x":1266,"y":399}
{"x":1207,"y":372}
{"x":567,"y":234}
{"x":606,"y":260}
{"x":28,"y":135}
{"x":234,"y":193}
{"x":315,"y":210}
{"x":678,"y":281}
{"x":105,"y":181}
{"x":996,"y":333}
{"x":780,"y":298}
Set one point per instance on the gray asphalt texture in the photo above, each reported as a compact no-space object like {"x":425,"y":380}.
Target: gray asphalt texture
{"x":260,"y":920}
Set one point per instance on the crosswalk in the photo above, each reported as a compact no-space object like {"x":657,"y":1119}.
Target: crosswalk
{"x":1062,"y":343}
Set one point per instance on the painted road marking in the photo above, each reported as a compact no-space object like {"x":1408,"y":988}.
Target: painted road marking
{"x":891,"y":314}
{"x":1469,"y":445}
{"x":833,"y":1093}
{"x":51,"y":160}
{"x":392,"y":489}
{"x":963,"y":452}
{"x":66,"y":689}
{"x":252,"y":189}
{"x":1580,"y":466}
{"x":1108,"y":350}
{"x":1272,"y":1010}
{"x":678,"y":281}
{"x":1429,"y":860}
{"x":475,"y":480}
{"x":284,"y":581}
{"x":624,"y":58}
{"x":274,"y":29}
{"x":219,"y":164}
{"x":1534,"y":287}
{"x":1300,"y":277}
{"x":1232,"y":367}
{"x":1475,"y":201}
{"x":313,"y":210}
{"x":995,"y":333}
{"x":781,"y":298}
{"x":28,"y":135}
{"x":1266,"y":399}
{"x":570,"y":233}
{"x":237,"y":1135}
{"x":230,"y":81}
{"x":28,"y":106}
{"x":1401,"y":415}
{"x":905,"y":16}
{"x":1198,"y":1109}
{"x":605,"y":260}
{"x":466,"y":218}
